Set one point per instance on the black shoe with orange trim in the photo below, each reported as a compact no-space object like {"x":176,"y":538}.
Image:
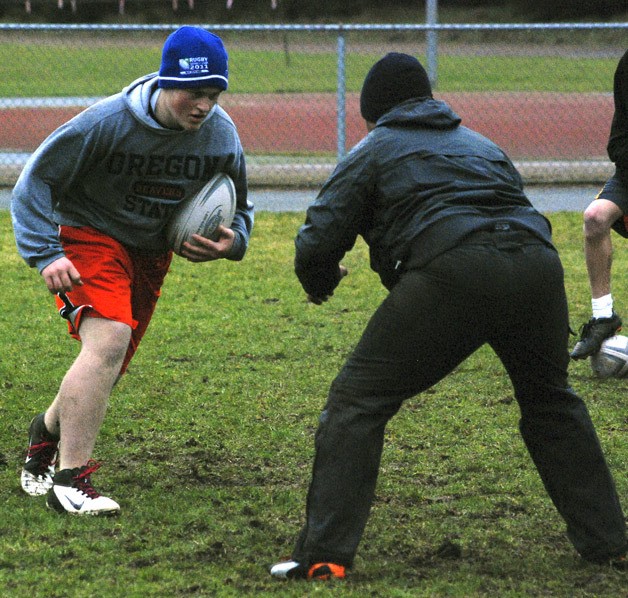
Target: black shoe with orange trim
{"x":326,"y":571}
{"x":318,"y":571}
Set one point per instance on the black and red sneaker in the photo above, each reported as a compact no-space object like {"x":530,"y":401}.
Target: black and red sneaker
{"x":39,"y":467}
{"x":72,"y":492}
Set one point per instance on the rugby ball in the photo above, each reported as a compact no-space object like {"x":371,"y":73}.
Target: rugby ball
{"x":611,"y":361}
{"x":203,"y":212}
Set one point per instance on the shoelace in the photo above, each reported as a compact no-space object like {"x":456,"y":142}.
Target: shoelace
{"x":83,"y":482}
{"x":46,"y":451}
{"x":585,"y":328}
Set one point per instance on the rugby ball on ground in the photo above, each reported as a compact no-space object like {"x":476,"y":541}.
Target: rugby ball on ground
{"x":203,"y":213}
{"x":611,"y":361}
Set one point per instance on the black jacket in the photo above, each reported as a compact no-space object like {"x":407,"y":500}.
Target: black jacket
{"x":419,"y":180}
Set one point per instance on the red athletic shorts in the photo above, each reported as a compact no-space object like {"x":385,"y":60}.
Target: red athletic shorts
{"x":118,"y":283}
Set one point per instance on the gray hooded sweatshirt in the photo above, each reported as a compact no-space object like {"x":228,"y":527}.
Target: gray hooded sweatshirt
{"x":113,"y":167}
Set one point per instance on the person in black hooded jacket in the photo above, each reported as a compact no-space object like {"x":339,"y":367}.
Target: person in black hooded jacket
{"x":467,"y":261}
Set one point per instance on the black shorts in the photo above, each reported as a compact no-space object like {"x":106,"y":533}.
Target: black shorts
{"x":616,"y":190}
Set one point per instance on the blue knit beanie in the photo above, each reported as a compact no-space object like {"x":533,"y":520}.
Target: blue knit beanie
{"x":392,"y":80}
{"x":193,"y":57}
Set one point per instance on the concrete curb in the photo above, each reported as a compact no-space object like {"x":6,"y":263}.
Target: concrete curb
{"x":300,"y":174}
{"x":533,"y":172}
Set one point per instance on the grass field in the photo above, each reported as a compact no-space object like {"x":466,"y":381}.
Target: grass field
{"x":208,"y":445}
{"x":69,"y":70}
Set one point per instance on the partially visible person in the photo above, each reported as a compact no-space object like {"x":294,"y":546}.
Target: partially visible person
{"x":608,"y":211}
{"x":465,"y":256}
{"x":89,"y":212}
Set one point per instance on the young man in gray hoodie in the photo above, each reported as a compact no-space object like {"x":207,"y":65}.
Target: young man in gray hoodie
{"x":90,"y":211}
{"x":468,"y":261}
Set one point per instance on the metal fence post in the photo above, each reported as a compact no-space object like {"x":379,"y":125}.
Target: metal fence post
{"x":431,"y":13}
{"x":341,"y":98}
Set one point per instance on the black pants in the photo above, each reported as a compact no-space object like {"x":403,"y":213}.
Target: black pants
{"x":501,"y":288}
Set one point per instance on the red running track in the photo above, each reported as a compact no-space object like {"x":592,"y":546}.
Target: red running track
{"x":528,"y":126}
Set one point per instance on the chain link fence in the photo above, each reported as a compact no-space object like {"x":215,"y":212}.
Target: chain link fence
{"x":542,"y":92}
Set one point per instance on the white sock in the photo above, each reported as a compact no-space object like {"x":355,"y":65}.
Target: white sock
{"x":602,"y":306}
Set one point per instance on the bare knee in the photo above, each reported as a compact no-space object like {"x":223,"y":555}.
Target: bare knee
{"x":598,"y":219}
{"x":105,"y":342}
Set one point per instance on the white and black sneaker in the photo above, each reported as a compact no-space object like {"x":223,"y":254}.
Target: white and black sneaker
{"x":288,"y":570}
{"x":72,"y":492}
{"x":39,"y":467}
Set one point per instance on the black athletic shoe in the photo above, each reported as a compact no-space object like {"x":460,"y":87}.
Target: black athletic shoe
{"x":593,"y":334}
{"x":39,"y":467}
{"x":72,"y":492}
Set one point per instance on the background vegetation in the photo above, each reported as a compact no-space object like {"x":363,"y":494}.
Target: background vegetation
{"x":69,"y":69}
{"x":208,"y":446}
